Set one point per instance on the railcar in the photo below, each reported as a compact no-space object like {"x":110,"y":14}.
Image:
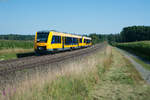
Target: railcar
{"x":57,"y":41}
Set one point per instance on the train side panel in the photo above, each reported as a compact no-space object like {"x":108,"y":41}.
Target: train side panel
{"x":80,"y":42}
{"x":56,"y":41}
{"x":83,"y":42}
{"x":35,"y":42}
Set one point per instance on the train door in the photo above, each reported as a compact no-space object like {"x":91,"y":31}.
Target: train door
{"x":63,"y":42}
{"x":78,"y":42}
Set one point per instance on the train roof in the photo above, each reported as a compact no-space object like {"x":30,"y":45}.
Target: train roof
{"x":87,"y":38}
{"x":65,"y":34}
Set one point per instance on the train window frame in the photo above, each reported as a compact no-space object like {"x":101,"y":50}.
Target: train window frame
{"x":56,"y":39}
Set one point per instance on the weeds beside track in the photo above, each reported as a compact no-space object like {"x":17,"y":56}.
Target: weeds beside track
{"x":9,"y":67}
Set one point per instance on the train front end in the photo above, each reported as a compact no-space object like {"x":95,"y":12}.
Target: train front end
{"x":41,"y":42}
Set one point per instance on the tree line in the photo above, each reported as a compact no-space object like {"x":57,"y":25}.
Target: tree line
{"x":128,"y":34}
{"x":135,"y":33}
{"x":16,"y":37}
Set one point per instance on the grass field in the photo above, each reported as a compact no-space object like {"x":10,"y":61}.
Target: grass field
{"x":11,"y":44}
{"x":141,"y":48}
{"x":105,"y":75}
{"x":10,"y":48}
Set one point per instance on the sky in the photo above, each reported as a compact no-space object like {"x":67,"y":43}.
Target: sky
{"x":72,"y":16}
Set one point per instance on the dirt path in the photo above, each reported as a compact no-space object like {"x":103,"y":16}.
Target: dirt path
{"x":145,"y":74}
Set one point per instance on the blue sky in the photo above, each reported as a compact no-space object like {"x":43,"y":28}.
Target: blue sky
{"x":74,"y":16}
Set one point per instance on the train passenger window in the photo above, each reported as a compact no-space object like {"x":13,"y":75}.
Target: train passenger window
{"x":80,"y":40}
{"x":56,"y":39}
{"x":85,"y":40}
{"x":68,"y":40}
{"x":88,"y":41}
{"x":75,"y":41}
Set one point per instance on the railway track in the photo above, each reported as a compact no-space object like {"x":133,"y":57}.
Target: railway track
{"x":10,"y":66}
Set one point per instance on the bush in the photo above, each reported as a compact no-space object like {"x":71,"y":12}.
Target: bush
{"x":140,"y":48}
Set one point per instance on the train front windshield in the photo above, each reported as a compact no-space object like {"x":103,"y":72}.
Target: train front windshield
{"x":42,"y":36}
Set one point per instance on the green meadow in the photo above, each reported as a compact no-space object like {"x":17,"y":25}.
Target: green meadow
{"x":10,"y":48}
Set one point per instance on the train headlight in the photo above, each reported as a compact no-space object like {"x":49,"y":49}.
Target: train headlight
{"x":40,"y":48}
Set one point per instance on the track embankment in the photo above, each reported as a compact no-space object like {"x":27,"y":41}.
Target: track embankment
{"x":10,"y":67}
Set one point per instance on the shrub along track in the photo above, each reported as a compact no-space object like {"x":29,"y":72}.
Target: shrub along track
{"x":11,"y":66}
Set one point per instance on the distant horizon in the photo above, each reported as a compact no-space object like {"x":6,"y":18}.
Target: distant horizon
{"x":72,"y":33}
{"x":72,"y":16}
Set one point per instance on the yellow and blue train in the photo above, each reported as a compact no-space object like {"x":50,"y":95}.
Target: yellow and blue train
{"x":58,"y":41}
